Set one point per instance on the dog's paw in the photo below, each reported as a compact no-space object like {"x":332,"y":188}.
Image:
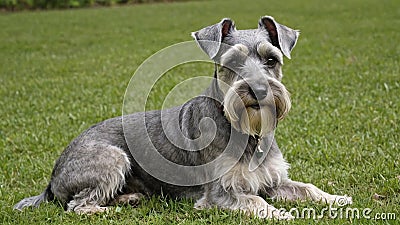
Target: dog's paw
{"x":89,"y":210}
{"x":202,"y":204}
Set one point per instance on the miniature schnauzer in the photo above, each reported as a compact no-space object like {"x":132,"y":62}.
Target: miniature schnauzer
{"x":245,"y":101}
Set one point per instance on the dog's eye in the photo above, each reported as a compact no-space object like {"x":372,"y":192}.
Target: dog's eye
{"x":271,"y":62}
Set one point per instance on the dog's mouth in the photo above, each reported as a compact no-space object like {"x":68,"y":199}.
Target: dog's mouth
{"x":255,"y":106}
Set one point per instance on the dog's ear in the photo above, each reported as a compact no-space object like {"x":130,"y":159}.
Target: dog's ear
{"x":281,"y":36}
{"x":210,"y":38}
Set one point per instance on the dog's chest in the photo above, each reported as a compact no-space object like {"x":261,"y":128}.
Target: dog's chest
{"x":241,"y":180}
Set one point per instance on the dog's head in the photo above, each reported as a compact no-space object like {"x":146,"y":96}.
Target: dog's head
{"x":249,"y":71}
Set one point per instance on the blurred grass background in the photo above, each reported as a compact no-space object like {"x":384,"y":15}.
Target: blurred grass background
{"x":17,"y":5}
{"x":62,"y":71}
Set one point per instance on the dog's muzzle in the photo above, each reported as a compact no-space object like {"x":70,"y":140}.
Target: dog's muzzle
{"x":255,"y":109}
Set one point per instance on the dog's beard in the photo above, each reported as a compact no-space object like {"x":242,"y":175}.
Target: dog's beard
{"x":256,"y":117}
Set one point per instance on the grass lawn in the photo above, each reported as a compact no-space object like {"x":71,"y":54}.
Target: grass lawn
{"x":62,"y":71}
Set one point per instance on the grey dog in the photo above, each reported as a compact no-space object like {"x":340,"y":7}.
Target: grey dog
{"x":245,"y":102}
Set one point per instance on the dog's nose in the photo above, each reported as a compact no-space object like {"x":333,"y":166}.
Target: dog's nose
{"x":258,"y":92}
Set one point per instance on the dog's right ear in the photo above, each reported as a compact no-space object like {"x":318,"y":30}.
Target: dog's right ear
{"x":210,"y":38}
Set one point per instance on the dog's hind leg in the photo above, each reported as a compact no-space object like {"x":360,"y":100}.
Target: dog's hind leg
{"x":87,"y":201}
{"x":294,"y":190}
{"x":89,"y":177}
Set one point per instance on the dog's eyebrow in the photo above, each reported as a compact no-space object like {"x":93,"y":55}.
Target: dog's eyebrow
{"x":266,"y":50}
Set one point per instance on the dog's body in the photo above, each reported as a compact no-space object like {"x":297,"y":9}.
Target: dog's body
{"x":100,"y":167}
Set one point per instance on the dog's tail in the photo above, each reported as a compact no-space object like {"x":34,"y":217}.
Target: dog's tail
{"x":35,"y":201}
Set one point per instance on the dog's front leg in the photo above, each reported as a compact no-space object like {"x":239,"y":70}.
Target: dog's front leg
{"x":247,"y":203}
{"x":254,"y":205}
{"x":294,"y":190}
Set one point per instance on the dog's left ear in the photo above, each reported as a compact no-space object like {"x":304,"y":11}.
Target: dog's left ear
{"x":210,"y":38}
{"x":281,"y":36}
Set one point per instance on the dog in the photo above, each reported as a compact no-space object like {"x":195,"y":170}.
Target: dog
{"x":222,"y":142}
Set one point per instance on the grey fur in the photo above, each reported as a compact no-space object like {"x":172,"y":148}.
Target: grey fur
{"x":98,"y":168}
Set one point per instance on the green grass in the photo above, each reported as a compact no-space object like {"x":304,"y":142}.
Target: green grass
{"x":62,"y":71}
